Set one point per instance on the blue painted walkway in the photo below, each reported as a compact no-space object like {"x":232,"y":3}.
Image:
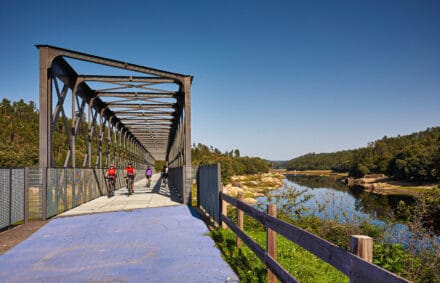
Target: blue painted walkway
{"x":165,"y":244}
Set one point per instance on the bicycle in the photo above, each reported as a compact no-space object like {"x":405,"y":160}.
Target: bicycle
{"x":129,"y":182}
{"x":111,"y":187}
{"x":164,"y":179}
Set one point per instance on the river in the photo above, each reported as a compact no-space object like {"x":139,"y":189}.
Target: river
{"x":329,"y":198}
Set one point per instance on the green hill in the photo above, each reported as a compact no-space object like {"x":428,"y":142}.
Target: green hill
{"x":414,"y":157}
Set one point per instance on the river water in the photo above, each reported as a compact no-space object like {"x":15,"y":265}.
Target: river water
{"x":329,"y":198}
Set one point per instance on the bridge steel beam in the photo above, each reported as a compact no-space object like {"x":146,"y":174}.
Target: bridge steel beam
{"x":133,"y":119}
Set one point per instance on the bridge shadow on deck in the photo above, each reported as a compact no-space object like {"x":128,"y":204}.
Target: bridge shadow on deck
{"x":165,"y":190}
{"x":143,"y":197}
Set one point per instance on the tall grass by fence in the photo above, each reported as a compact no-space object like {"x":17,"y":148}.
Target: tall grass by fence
{"x":214,"y":202}
{"x":358,"y":269}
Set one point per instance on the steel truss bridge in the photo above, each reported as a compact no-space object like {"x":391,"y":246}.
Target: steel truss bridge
{"x":113,"y":112}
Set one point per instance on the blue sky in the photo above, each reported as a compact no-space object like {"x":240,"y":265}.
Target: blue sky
{"x":275,"y":79}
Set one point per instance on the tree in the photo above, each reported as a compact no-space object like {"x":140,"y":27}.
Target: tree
{"x":236,"y":153}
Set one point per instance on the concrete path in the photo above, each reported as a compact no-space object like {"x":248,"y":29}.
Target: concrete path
{"x":161,"y":244}
{"x":156,"y":195}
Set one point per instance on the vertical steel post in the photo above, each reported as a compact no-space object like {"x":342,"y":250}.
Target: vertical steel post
{"x":45,"y":121}
{"x":89,"y":135}
{"x":10,"y":198}
{"x":187,"y":143}
{"x":73,"y":132}
{"x":26,"y":195}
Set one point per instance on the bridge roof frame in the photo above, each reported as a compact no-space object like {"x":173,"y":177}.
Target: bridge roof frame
{"x":52,"y":57}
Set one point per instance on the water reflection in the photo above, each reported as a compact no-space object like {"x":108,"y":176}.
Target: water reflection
{"x":331,"y":199}
{"x":328,"y":198}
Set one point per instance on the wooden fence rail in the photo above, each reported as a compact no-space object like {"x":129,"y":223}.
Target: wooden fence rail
{"x":350,"y":264}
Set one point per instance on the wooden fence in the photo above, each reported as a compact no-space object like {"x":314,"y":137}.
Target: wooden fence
{"x":358,"y":269}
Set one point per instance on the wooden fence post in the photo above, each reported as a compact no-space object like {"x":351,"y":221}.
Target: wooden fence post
{"x":224,"y":212}
{"x":271,"y":242}
{"x":362,"y":246}
{"x":239,"y":221}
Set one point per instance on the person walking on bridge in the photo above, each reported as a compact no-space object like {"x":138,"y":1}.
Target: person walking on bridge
{"x":130,"y":173}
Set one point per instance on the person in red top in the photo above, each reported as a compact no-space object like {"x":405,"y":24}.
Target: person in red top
{"x":110,"y":174}
{"x":130,"y":173}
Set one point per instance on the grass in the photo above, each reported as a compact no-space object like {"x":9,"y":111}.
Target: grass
{"x":303,"y":265}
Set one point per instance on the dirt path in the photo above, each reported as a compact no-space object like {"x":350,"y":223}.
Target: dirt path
{"x":11,"y":238}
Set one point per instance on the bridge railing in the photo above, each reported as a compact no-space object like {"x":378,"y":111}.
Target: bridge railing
{"x":213,"y":202}
{"x":176,"y":180}
{"x":23,"y":198}
{"x":12,"y":196}
{"x":348,"y":263}
{"x":208,"y":188}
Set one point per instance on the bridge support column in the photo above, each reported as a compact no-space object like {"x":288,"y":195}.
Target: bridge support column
{"x":187,"y":143}
{"x":45,"y":121}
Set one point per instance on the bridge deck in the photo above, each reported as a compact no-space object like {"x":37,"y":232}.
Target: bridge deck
{"x":162,"y":244}
{"x":143,"y":197}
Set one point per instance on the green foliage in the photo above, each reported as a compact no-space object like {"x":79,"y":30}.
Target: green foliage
{"x":19,"y":137}
{"x":159,"y":165}
{"x":403,"y":211}
{"x":414,"y":262}
{"x":414,"y":157}
{"x":231,"y":162}
{"x":338,"y":161}
{"x":420,"y":266}
{"x":19,"y":134}
{"x":428,"y":210}
{"x":245,"y":263}
{"x":301,"y":264}
{"x":392,"y":257}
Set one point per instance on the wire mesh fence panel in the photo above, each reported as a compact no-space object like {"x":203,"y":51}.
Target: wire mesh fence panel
{"x":5,"y":196}
{"x":65,"y":188}
{"x":78,"y":186}
{"x":53,"y":183}
{"x":96,"y":189}
{"x":87,"y":191}
{"x":17,"y":197}
{"x":68,"y":190}
{"x":35,"y":193}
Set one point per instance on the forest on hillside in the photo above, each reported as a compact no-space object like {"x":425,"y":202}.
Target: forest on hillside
{"x":230,"y":161}
{"x":19,"y":134}
{"x":19,"y":143}
{"x":414,"y":157}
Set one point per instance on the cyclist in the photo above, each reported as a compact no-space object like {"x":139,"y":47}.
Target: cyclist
{"x":148,"y":174}
{"x":130,"y":173}
{"x":110,"y":174}
{"x":165,"y":175}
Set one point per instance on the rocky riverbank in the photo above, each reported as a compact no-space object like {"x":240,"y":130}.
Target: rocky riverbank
{"x":383,"y":185}
{"x":253,"y":186}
